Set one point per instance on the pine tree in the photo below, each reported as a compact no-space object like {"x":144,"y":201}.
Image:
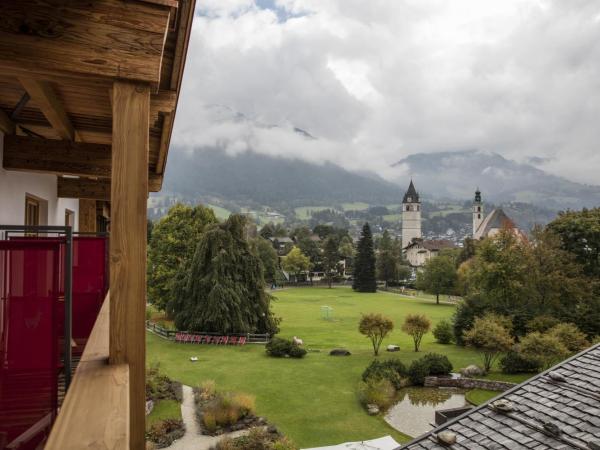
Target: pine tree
{"x":223,"y":289}
{"x":364,"y":264}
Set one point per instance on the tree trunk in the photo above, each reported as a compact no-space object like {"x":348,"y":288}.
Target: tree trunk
{"x":437,"y":299}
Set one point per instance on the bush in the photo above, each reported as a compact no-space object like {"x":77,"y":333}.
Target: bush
{"x":438,"y":364}
{"x":163,"y":433}
{"x":256,"y":439}
{"x":443,"y":332}
{"x":570,"y":336}
{"x":514,"y":362}
{"x":297,"y":352}
{"x":160,"y":386}
{"x":545,"y":348}
{"x":226,"y":409}
{"x":376,"y":392}
{"x":541,"y":324}
{"x":417,"y":372}
{"x":280,"y":348}
{"x":391,"y":369}
{"x":430,"y":364}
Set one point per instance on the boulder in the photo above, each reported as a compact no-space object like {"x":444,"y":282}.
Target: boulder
{"x":372,"y":409}
{"x":472,"y":371}
{"x":393,"y":348}
{"x":339,"y":352}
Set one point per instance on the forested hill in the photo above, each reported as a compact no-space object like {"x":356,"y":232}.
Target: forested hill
{"x":268,"y":180}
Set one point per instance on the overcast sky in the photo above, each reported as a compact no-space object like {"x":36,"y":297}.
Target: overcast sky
{"x":372,"y":81}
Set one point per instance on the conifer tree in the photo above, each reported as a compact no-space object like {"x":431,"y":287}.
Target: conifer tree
{"x":364,"y":264}
{"x":223,"y":289}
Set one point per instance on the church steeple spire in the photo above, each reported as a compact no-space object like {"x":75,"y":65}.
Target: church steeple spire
{"x":411,"y":196}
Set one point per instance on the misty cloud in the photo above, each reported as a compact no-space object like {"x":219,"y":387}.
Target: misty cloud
{"x":376,"y":81}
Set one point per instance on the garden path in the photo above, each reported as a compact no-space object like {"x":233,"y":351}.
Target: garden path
{"x":193,"y":440}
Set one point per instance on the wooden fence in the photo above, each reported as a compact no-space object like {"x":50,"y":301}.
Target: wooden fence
{"x":165,"y":333}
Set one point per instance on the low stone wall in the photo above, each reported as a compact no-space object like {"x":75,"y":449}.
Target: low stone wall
{"x":468,"y":383}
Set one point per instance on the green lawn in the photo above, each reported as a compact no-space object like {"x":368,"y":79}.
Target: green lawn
{"x":164,"y":409}
{"x":355,"y":206}
{"x":304,"y":212}
{"x":220,"y":212}
{"x":479,"y":396}
{"x":312,"y":400}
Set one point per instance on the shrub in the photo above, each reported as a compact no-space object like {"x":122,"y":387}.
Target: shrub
{"x":166,"y":431}
{"x":430,"y":364}
{"x":297,"y":352}
{"x":437,"y":364}
{"x":392,"y":370}
{"x":245,"y":403}
{"x":256,"y":439}
{"x":209,"y":420}
{"x":160,"y":386}
{"x":443,"y":332}
{"x":280,"y":348}
{"x":225,"y":409}
{"x":570,"y":336}
{"x":491,"y":336}
{"x":207,"y":390}
{"x":417,"y":371}
{"x":376,"y":392}
{"x":547,"y":349}
{"x":515,"y":362}
{"x":541,"y":324}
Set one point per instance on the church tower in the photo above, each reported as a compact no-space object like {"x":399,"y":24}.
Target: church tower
{"x":411,"y":216}
{"x":477,"y":212}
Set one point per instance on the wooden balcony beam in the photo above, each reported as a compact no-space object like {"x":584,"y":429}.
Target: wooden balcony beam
{"x":80,"y":159}
{"x":45,"y":98}
{"x":102,"y":39}
{"x":7,"y":126}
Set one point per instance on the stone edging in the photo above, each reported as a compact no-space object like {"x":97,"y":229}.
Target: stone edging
{"x":468,"y":383}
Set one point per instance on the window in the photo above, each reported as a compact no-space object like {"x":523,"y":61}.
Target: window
{"x":69,"y":218}
{"x":408,"y":207}
{"x":418,"y":208}
{"x":479,"y":209}
{"x":32,"y":211}
{"x":479,"y":216}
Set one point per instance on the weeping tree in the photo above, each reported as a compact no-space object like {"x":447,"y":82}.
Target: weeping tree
{"x":222,"y":289}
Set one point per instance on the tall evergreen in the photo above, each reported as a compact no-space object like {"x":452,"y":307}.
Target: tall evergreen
{"x":222,"y":290}
{"x":364,"y":264}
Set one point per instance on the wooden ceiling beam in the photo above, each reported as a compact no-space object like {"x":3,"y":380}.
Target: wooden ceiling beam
{"x":164,"y":143}
{"x":43,"y":95}
{"x":58,"y":157}
{"x":98,"y":189}
{"x":99,"y":39}
{"x":7,"y":126}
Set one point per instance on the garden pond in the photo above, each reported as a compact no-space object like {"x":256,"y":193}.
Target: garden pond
{"x":414,"y":413}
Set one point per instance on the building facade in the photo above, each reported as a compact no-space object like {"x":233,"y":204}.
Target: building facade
{"x":490,"y":225}
{"x":419,"y":251}
{"x":411,"y":216}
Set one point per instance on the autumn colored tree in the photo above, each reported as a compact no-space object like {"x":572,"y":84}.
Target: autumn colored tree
{"x":491,"y":336}
{"x":376,"y":327}
{"x":416,"y":326}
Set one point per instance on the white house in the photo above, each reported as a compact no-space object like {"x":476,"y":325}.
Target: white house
{"x":31,"y":199}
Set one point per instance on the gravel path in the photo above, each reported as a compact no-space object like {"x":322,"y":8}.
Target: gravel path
{"x":193,"y":440}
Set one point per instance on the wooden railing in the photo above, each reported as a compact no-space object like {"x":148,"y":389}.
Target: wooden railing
{"x":95,"y":412}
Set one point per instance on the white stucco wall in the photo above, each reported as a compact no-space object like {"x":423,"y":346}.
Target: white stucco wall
{"x":15,"y":185}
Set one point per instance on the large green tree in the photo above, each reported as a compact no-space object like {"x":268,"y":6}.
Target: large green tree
{"x":387,"y":260}
{"x":364,"y":264}
{"x":438,"y":276}
{"x":331,"y":258}
{"x":295,"y":262}
{"x":268,"y":257}
{"x":223,"y":289}
{"x":172,"y":244}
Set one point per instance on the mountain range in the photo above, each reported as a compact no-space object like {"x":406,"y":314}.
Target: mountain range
{"x":251,"y":177}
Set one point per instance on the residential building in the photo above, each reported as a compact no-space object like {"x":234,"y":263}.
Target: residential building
{"x":422,"y":250}
{"x":88,"y":94}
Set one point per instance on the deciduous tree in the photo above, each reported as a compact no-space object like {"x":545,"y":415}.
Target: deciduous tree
{"x":295,"y":262}
{"x":416,"y":326}
{"x":490,"y":336}
{"x":376,"y":327}
{"x":438,"y":276}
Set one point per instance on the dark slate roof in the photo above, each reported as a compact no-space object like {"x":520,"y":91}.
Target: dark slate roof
{"x":557,"y":409}
{"x":412,"y":193}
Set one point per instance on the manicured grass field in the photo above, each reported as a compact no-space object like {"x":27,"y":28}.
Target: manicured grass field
{"x":312,"y":400}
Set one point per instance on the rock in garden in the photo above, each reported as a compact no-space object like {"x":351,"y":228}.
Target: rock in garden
{"x":339,"y":352}
{"x":372,"y":409}
{"x":472,"y":371}
{"x":393,"y":348}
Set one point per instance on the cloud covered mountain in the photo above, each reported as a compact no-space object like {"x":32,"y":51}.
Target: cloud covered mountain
{"x":457,"y":174}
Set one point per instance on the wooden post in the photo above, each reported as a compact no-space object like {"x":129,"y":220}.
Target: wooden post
{"x":129,"y":191}
{"x":87,"y":215}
